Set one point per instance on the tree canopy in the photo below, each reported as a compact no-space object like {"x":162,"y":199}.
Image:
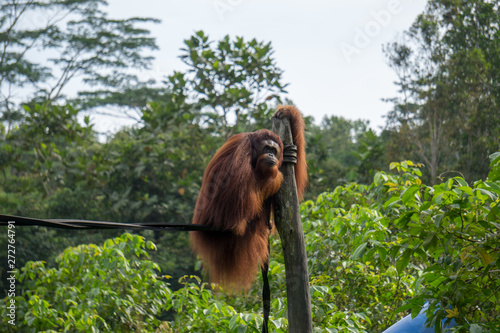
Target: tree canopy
{"x":448,"y":76}
{"x":393,"y":219}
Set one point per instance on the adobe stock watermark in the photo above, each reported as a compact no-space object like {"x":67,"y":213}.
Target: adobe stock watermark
{"x":222,"y":7}
{"x":371,"y":29}
{"x":10,"y":304}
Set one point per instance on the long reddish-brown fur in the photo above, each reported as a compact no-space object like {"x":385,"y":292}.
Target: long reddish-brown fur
{"x":299,"y":140}
{"x":235,"y":200}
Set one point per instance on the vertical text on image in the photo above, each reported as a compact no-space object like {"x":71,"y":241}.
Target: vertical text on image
{"x":11,"y":272}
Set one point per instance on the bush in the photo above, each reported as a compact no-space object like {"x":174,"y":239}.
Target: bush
{"x":375,"y":253}
{"x":110,"y":288}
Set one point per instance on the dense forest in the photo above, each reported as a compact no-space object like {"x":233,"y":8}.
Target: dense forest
{"x":392,"y":218}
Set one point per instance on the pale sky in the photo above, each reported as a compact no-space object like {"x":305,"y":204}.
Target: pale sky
{"x":330,"y":51}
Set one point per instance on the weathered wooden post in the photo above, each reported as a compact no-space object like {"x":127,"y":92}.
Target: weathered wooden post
{"x":289,"y":225}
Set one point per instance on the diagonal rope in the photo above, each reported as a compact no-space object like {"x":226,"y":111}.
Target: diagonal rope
{"x":89,"y":224}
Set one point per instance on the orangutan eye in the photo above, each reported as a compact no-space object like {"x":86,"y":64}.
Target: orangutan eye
{"x":270,"y":150}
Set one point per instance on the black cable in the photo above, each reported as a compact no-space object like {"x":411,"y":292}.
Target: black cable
{"x":88,"y":224}
{"x":266,"y":292}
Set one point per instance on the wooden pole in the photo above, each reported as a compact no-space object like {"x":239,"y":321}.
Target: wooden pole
{"x":289,"y":225}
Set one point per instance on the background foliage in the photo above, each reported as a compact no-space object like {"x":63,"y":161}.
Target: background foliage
{"x":382,"y":237}
{"x":374,"y":252}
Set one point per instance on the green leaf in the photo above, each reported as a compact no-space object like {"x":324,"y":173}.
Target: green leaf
{"x":475,"y":328}
{"x":461,"y":181}
{"x":392,"y":201}
{"x":382,"y":253}
{"x":404,"y":219}
{"x":488,"y":193}
{"x":404,"y":308}
{"x":495,"y":157}
{"x":430,"y":242}
{"x":403,"y":261}
{"x":360,"y":250}
{"x":437,"y":219}
{"x":466,"y":189}
{"x":233,"y":322}
{"x":493,"y":186}
{"x":409,"y":193}
{"x":485,"y":257}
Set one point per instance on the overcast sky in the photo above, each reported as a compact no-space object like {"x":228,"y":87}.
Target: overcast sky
{"x":330,"y":51}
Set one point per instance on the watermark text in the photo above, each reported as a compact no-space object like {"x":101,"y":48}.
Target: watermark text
{"x":11,"y":272}
{"x":363,"y":36}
